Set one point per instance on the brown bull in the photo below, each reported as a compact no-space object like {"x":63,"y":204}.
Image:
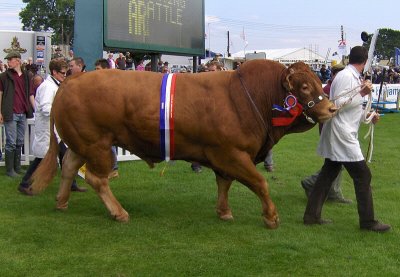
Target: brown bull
{"x":223,"y":120}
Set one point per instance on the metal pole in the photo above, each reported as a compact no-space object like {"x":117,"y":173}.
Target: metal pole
{"x":154,"y":62}
{"x":209,"y":40}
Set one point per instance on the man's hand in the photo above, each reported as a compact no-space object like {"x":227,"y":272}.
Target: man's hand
{"x":376,"y":118}
{"x":1,"y":118}
{"x":366,"y":88}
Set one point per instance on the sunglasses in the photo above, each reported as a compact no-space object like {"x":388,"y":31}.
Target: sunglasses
{"x":63,"y":73}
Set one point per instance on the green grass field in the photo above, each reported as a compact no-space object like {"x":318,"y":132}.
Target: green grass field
{"x":174,"y":230}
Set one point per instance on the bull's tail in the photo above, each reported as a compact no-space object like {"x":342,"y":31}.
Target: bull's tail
{"x":47,"y":169}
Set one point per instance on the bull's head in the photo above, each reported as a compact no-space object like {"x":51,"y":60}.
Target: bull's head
{"x":300,"y":81}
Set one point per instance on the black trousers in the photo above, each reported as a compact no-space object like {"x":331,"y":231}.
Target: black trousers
{"x":31,"y":169}
{"x":361,"y":175}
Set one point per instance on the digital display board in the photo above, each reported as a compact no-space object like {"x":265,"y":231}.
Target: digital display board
{"x":160,"y":26}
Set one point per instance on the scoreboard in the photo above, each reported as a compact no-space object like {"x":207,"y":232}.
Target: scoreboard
{"x":158,"y":26}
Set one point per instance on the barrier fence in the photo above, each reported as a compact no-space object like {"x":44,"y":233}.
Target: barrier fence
{"x":122,"y":154}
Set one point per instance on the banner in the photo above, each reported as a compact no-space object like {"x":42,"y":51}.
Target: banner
{"x":396,"y":56}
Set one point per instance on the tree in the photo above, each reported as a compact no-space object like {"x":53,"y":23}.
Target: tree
{"x":50,"y":15}
{"x":387,"y":40}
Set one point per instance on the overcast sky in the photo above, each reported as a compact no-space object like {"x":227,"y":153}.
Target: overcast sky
{"x":272,"y":24}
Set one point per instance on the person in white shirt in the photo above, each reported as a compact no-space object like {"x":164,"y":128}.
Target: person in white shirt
{"x":43,"y":101}
{"x":339,"y":146}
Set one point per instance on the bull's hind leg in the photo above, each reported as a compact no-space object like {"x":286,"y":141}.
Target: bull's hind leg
{"x":239,"y":166}
{"x":100,"y":185}
{"x":223,"y":210}
{"x":97,"y":176}
{"x":71,"y":164}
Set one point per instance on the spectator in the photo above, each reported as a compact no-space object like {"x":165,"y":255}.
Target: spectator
{"x":129,"y":61}
{"x":140,"y":66}
{"x":214,"y":66}
{"x":57,"y":54}
{"x":2,"y":67}
{"x":339,"y":146}
{"x":41,"y":132}
{"x":31,"y":67}
{"x":120,"y":62}
{"x":37,"y":80}
{"x":70,"y":55}
{"x":16,"y":96}
{"x":147,"y":66}
{"x":159,"y":66}
{"x":77,"y":65}
{"x":165,"y":69}
{"x":325,"y":74}
{"x":111,"y":61}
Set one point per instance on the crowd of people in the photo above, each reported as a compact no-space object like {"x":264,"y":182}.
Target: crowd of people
{"x":390,"y":76}
{"x":23,"y":91}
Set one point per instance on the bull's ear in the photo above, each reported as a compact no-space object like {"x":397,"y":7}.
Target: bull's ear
{"x":286,"y":79}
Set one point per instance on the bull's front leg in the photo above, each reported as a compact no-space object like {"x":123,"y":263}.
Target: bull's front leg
{"x":270,"y":215}
{"x":239,"y":166}
{"x":223,"y":210}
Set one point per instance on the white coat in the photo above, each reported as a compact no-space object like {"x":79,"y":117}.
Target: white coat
{"x":43,"y":102}
{"x":339,"y":136}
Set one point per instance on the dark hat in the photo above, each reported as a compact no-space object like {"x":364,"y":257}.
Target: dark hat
{"x":13,"y":54}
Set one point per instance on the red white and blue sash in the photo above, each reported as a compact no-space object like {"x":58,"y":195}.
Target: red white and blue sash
{"x":167,"y":116}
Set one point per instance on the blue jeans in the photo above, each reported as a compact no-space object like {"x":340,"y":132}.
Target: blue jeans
{"x":268,"y":159}
{"x":15,"y":131}
{"x":114,"y":150}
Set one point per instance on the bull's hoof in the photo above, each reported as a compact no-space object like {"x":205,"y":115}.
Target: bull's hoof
{"x":271,"y":224}
{"x":225,"y":215}
{"x":62,"y":206}
{"x":123,"y":217}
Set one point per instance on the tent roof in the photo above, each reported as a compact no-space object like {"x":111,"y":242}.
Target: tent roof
{"x":285,"y":54}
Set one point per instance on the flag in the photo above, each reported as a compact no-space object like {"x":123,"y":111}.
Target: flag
{"x":243,"y":35}
{"x":396,"y":56}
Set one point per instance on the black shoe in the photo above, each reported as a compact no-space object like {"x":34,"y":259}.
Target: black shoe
{"x":25,"y":190}
{"x":78,"y":189}
{"x":340,"y":200}
{"x":306,"y":190}
{"x":319,"y":221}
{"x":197,"y":168}
{"x":377,"y":227}
{"x":269,"y":167}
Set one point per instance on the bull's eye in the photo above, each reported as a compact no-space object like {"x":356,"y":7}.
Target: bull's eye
{"x":304,"y":87}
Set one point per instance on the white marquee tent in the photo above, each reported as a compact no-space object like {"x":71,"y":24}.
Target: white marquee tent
{"x":286,"y":55}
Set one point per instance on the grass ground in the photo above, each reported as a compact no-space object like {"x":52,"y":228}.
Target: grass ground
{"x":174,"y":230}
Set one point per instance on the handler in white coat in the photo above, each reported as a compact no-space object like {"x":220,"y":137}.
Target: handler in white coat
{"x":43,"y":102}
{"x":339,"y":146}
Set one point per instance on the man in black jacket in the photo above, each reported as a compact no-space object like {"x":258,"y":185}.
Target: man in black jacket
{"x":16,"y":102}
